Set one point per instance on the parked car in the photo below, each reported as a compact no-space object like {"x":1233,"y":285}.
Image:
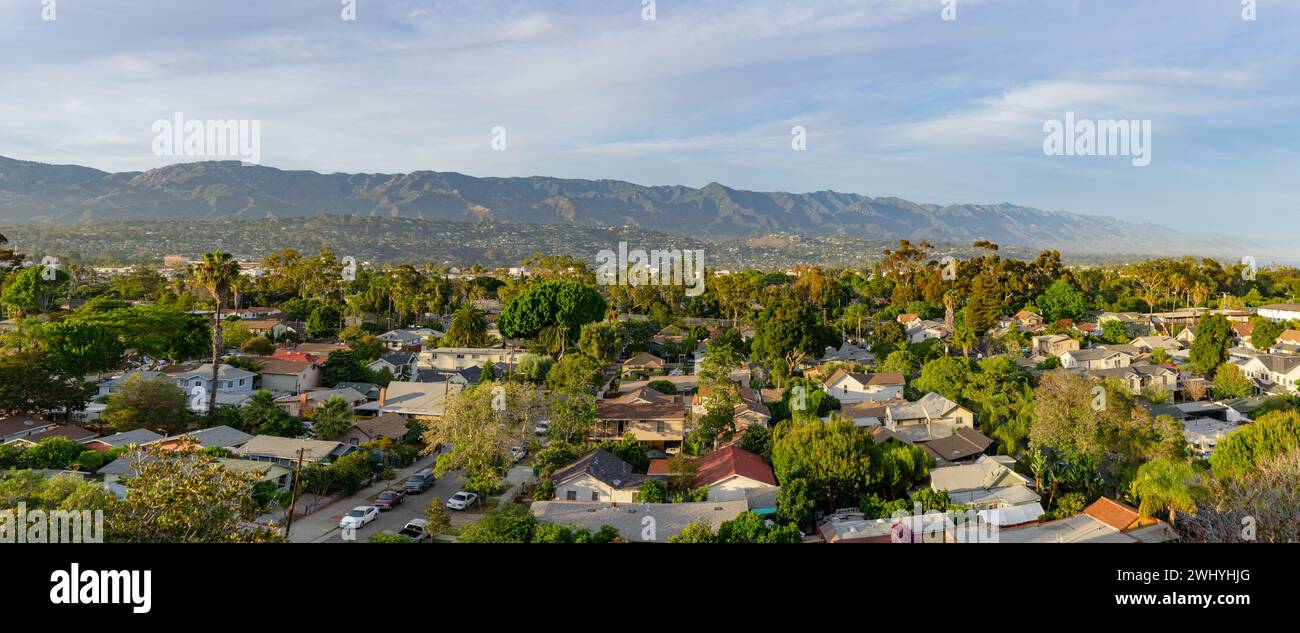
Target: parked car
{"x":387,"y":499}
{"x":517,"y":453}
{"x":462,"y":500}
{"x":541,"y":426}
{"x":419,"y":482}
{"x":359,"y":516}
{"x":418,"y":530}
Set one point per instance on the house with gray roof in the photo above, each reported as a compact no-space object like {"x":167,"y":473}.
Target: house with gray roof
{"x":599,"y":476}
{"x":639,"y":522}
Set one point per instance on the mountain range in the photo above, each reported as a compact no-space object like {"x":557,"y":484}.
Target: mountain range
{"x":224,"y":190}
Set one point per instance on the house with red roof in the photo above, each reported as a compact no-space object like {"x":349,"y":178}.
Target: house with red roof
{"x":727,"y":472}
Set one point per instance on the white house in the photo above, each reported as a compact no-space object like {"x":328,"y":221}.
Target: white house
{"x":1095,"y":358}
{"x":402,"y":365}
{"x":1280,"y":311}
{"x":850,"y":387}
{"x":453,"y":358}
{"x":234,"y":385}
{"x":1272,"y":372}
{"x":598,"y":476}
{"x":399,"y":339}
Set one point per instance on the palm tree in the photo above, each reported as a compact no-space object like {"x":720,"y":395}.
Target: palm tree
{"x":332,"y":418}
{"x":555,"y":338}
{"x":468,"y":327}
{"x":1165,"y":484}
{"x":217,"y":273}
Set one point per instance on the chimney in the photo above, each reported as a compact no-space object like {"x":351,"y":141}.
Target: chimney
{"x":302,"y":403}
{"x":383,"y":395}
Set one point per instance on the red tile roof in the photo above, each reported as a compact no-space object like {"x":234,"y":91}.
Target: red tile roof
{"x":1113,"y":513}
{"x":731,"y":461}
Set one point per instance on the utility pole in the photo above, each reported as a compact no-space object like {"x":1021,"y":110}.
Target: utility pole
{"x":293,"y":497}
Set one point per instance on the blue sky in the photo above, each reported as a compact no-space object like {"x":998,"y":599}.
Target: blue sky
{"x":896,"y":101}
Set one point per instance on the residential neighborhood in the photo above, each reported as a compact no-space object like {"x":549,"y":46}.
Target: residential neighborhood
{"x":1061,"y":420}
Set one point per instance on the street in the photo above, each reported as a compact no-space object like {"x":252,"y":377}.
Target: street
{"x":323,"y":526}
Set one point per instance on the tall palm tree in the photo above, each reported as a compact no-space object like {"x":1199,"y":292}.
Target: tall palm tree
{"x":217,"y":273}
{"x":1165,"y":484}
{"x":468,"y":328}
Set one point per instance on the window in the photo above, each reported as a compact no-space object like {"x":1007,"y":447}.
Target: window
{"x":571,"y":495}
{"x":659,"y":427}
{"x":595,"y":496}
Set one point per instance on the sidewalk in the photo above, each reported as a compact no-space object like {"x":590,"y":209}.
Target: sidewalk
{"x":309,"y":528}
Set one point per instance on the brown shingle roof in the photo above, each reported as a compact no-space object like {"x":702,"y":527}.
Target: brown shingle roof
{"x":389,"y":425}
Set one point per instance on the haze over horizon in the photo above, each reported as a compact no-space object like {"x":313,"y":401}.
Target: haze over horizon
{"x":895,"y":100}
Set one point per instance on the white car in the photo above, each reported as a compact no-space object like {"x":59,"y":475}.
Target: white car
{"x":358,"y":517}
{"x":518,"y":453}
{"x":541,"y":426}
{"x":462,"y":500}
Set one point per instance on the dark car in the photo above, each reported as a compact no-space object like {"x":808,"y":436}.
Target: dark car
{"x":387,"y":499}
{"x":419,"y":482}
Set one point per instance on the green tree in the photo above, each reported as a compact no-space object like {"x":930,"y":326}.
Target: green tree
{"x":1231,"y":382}
{"x":575,"y":372}
{"x":534,"y":367}
{"x":153,"y":403}
{"x":438,"y":519}
{"x":1062,"y":300}
{"x":1166,"y":485}
{"x":55,"y":453}
{"x":31,"y":293}
{"x":572,"y":416}
{"x":652,"y":491}
{"x":567,"y":303}
{"x":187,"y":497}
{"x":510,"y":523}
{"x":324,"y":321}
{"x":332,"y":418}
{"x":258,"y":345}
{"x":469,"y":328}
{"x":603,"y":340}
{"x":342,"y":365}
{"x":946,"y":375}
{"x":751,"y":528}
{"x":698,"y":531}
{"x":1210,"y":348}
{"x":1239,"y":454}
{"x":794,"y":503}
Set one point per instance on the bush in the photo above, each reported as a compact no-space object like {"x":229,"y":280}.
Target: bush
{"x":90,"y":461}
{"x":390,"y":538}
